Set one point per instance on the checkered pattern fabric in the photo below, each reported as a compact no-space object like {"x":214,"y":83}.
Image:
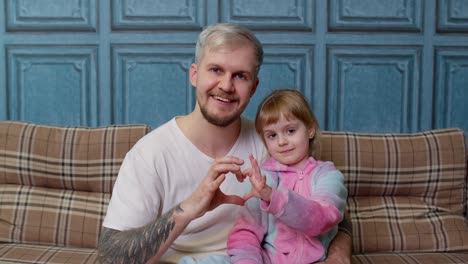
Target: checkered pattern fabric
{"x":55,"y":184}
{"x":71,"y":158}
{"x":407,"y":192}
{"x":49,"y":216}
{"x":411,"y":258}
{"x":39,"y":254}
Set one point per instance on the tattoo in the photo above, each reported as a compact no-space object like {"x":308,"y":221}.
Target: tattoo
{"x":136,"y":245}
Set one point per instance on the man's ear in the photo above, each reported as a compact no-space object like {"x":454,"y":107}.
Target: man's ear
{"x":193,"y":74}
{"x":254,"y":88}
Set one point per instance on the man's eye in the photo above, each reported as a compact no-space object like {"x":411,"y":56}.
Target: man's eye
{"x":241,"y":76}
{"x":215,"y":70}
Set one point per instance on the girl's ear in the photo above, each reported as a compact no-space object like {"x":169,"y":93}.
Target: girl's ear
{"x":311,"y":132}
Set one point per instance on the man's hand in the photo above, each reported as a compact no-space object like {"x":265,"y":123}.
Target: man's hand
{"x":259,"y":187}
{"x":208,"y":195}
{"x":340,"y":250}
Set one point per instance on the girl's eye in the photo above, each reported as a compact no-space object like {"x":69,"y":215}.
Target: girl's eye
{"x":270,"y":136}
{"x":291,"y":131}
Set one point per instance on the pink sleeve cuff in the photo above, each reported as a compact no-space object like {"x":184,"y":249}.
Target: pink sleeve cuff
{"x":277,"y":203}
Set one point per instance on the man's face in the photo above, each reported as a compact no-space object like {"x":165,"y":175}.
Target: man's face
{"x":225,"y":80}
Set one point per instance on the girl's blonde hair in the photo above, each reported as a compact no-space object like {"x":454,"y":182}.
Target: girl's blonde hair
{"x":290,"y":104}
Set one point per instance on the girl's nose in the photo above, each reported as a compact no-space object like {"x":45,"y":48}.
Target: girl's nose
{"x":282,"y":140}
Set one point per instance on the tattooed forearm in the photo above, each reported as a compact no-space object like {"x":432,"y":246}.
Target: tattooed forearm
{"x":136,"y":245}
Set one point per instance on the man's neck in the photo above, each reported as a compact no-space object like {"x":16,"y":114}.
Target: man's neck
{"x":214,"y":141}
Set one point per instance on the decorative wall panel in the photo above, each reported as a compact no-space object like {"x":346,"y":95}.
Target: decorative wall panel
{"x":151,"y":84}
{"x":375,"y":15}
{"x":282,"y":68}
{"x":51,"y":15}
{"x":375,"y":89}
{"x":158,"y":14}
{"x":452,"y":16}
{"x":53,"y":85}
{"x":270,"y":14}
{"x":364,"y":65}
{"x":452,"y":88}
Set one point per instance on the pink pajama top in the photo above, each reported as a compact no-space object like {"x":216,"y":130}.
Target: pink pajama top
{"x":299,"y":222}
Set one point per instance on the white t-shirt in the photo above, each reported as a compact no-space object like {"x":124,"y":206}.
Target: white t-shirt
{"x":163,"y":169}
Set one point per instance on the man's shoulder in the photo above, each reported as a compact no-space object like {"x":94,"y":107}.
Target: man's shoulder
{"x":247,"y":120}
{"x":248,"y":125}
{"x":250,"y":142}
{"x":158,"y":136}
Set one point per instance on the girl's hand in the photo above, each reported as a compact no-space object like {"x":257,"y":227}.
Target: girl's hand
{"x":259,"y":187}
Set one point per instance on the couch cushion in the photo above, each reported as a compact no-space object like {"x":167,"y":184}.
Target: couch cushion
{"x":74,"y":158}
{"x":48,"y":216}
{"x":407,"y":192}
{"x":37,"y":254}
{"x":56,"y":182}
{"x":413,"y":258}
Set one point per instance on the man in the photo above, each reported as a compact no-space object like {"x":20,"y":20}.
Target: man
{"x":179,"y":188}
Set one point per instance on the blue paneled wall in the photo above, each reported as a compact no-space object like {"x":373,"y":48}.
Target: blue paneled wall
{"x":365,"y":65}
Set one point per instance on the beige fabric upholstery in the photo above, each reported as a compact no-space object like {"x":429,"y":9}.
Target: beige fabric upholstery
{"x":55,"y":184}
{"x":407,"y":192}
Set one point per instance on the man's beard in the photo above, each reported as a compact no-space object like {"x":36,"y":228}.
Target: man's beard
{"x":218,"y":121}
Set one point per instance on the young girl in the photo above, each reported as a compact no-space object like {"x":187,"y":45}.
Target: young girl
{"x":300,"y":200}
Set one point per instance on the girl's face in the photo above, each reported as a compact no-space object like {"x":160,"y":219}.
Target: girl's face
{"x":287,"y":141}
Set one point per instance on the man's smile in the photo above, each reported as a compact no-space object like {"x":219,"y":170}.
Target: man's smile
{"x":223,"y":99}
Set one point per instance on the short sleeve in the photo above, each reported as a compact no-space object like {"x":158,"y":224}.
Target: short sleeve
{"x":135,"y":198}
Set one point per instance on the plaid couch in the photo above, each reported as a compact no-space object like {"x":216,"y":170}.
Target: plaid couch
{"x":407,"y":192}
{"x":55,"y":184}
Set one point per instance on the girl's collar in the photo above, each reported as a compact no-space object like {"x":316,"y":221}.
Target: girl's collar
{"x":273,"y":165}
